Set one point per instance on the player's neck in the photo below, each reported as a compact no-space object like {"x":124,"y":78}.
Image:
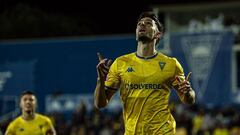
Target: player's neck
{"x":146,"y":50}
{"x":28,"y":115}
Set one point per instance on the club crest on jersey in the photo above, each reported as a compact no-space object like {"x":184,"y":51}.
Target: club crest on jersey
{"x":41,"y":126}
{"x":162,"y":65}
{"x":130,"y":69}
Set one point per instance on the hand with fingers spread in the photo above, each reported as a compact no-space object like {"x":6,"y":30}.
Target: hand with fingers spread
{"x":184,"y":86}
{"x":103,"y":67}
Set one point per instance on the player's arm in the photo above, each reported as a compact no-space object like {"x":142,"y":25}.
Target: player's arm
{"x":10,"y":130}
{"x":182,"y":85}
{"x":102,"y":94}
{"x":9,"y":133}
{"x":184,"y":90}
{"x":50,"y":130}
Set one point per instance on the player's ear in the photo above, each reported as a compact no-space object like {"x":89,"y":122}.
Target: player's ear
{"x":36,"y":103}
{"x":158,"y":35}
{"x":20,"y":103}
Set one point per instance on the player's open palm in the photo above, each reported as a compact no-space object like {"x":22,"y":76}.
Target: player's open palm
{"x":103,"y":67}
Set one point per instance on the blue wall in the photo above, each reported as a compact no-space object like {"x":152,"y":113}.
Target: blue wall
{"x":65,"y":65}
{"x":69,"y":65}
{"x":208,"y":56}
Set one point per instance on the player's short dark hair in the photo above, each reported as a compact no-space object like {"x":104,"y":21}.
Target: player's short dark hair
{"x":27,"y":92}
{"x":153,"y":16}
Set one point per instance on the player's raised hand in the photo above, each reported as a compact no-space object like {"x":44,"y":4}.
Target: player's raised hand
{"x":184,"y":85}
{"x":103,"y":66}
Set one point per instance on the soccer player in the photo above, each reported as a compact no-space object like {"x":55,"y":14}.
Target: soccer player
{"x":145,"y":79}
{"x":30,"y":122}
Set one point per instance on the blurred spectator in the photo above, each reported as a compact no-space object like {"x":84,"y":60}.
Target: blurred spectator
{"x":197,"y":122}
{"x":181,"y":131}
{"x":221,"y":130}
{"x":79,"y":115}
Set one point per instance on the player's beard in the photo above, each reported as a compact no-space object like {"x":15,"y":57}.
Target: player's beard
{"x":144,"y":39}
{"x":28,"y":114}
{"x":29,"y":111}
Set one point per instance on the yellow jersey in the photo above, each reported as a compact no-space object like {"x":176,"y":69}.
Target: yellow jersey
{"x":145,"y":86}
{"x":38,"y":126}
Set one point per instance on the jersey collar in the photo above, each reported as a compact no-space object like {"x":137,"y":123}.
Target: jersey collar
{"x":150,"y":57}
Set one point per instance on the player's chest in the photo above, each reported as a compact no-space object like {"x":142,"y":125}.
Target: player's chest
{"x":30,"y":129}
{"x":159,"y":71}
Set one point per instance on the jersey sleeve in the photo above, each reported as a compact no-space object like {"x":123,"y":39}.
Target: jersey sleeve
{"x":178,"y":72}
{"x":113,"y":79}
{"x":10,"y":129}
{"x":48,"y":125}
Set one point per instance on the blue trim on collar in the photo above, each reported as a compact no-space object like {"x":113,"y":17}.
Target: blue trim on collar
{"x":146,"y":57}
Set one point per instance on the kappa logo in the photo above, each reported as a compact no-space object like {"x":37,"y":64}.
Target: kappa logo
{"x":21,"y":129}
{"x":162,"y":65}
{"x":130,"y":69}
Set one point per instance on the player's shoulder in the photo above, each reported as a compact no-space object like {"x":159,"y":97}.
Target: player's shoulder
{"x":126,"y":57}
{"x":16,"y":121}
{"x":41,"y":116}
{"x":167,"y":57}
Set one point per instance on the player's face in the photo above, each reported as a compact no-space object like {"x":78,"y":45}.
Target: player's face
{"x":28,"y":103}
{"x":146,"y":29}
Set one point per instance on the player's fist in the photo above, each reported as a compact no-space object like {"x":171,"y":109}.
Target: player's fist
{"x":103,"y":67}
{"x":184,"y":86}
